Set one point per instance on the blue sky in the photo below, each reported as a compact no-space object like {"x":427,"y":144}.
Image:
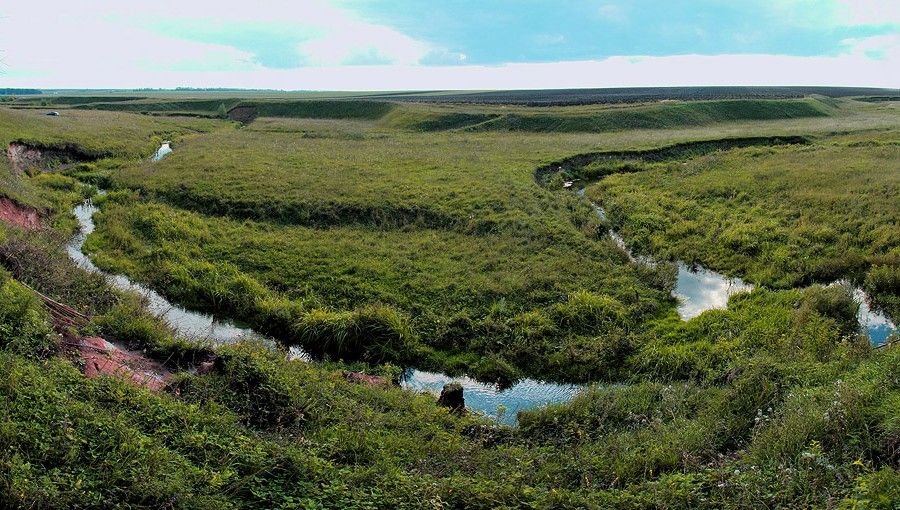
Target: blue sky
{"x":528,"y":30}
{"x":403,"y":44}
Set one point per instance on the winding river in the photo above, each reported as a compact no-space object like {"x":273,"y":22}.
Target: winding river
{"x":697,"y":290}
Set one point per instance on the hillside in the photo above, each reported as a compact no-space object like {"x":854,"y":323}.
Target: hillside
{"x":248,"y":321}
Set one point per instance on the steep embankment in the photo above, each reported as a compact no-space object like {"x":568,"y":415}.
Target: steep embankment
{"x":25,"y":156}
{"x":245,"y":111}
{"x":575,"y":166}
{"x":18,"y":215}
{"x":667,"y":115}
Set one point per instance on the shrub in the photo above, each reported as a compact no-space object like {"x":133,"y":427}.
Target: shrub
{"x":586,"y":312}
{"x":258,"y":389}
{"x":876,"y":490}
{"x":834,"y":302}
{"x":24,"y":326}
{"x":375,"y":333}
{"x":884,"y":279}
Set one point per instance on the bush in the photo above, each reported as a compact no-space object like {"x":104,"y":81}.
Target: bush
{"x":884,"y":279}
{"x":375,"y":333}
{"x":875,"y":491}
{"x":586,"y":312}
{"x":834,"y":302}
{"x":24,"y":324}
{"x":257,"y":388}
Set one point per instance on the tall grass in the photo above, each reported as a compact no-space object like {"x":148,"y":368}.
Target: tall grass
{"x":598,"y":120}
{"x":772,"y":402}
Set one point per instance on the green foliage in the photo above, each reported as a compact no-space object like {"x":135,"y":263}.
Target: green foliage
{"x":585,"y":312}
{"x":254,"y":389}
{"x":373,"y":333}
{"x":130,"y":323}
{"x":277,"y":274}
{"x":24,"y":326}
{"x":780,"y":217}
{"x":835,"y":302}
{"x":658,"y":116}
{"x":303,"y":108}
{"x":883,"y":283}
{"x":459,"y":261}
{"x":101,"y":132}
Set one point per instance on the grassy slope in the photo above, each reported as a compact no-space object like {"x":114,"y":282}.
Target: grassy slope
{"x":262,"y":431}
{"x":764,"y":404}
{"x":594,"y":119}
{"x":303,"y":108}
{"x":390,"y":226}
{"x":110,"y":133}
{"x":462,"y":256}
{"x":338,"y":177}
{"x":795,"y":215}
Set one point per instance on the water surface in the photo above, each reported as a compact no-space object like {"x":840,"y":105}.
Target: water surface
{"x":698,"y":289}
{"x":164,"y":150}
{"x":873,"y":322}
{"x":488,"y":399}
{"x":191,"y":324}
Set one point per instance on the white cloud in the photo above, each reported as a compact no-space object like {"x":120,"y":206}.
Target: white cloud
{"x":106,"y":43}
{"x":868,"y":12}
{"x":879,"y":47}
{"x":351,"y":39}
{"x":46,"y":35}
{"x":72,"y":47}
{"x":340,"y":37}
{"x":818,"y":14}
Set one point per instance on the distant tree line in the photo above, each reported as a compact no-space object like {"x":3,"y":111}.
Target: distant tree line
{"x":202,"y":89}
{"x":19,"y":92}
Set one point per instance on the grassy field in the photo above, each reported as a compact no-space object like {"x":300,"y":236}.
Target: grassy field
{"x":599,"y":119}
{"x":381,"y":222}
{"x":110,"y":134}
{"x":795,"y":215}
{"x":441,"y":242}
{"x":780,"y":412}
{"x":366,"y":240}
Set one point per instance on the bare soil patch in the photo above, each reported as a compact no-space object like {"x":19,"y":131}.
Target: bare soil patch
{"x":103,"y":358}
{"x":26,"y":157}
{"x":17,"y":215}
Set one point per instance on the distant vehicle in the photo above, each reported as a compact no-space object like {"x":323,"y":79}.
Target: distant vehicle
{"x":53,"y":114}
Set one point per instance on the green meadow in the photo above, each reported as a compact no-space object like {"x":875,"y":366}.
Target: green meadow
{"x":380,"y":235}
{"x":782,"y":217}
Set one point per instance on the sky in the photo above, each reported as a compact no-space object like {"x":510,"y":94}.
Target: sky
{"x":447,"y":44}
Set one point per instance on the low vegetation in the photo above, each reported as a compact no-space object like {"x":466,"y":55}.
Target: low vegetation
{"x":378,"y":248}
{"x":796,"y":215}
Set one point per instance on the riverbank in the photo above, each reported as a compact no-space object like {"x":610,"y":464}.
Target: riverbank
{"x":698,"y":289}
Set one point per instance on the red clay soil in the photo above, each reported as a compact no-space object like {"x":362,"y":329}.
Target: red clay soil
{"x":104,"y":358}
{"x":17,"y":215}
{"x":371,"y":380}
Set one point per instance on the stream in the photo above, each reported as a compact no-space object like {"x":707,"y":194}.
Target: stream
{"x":697,"y":290}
